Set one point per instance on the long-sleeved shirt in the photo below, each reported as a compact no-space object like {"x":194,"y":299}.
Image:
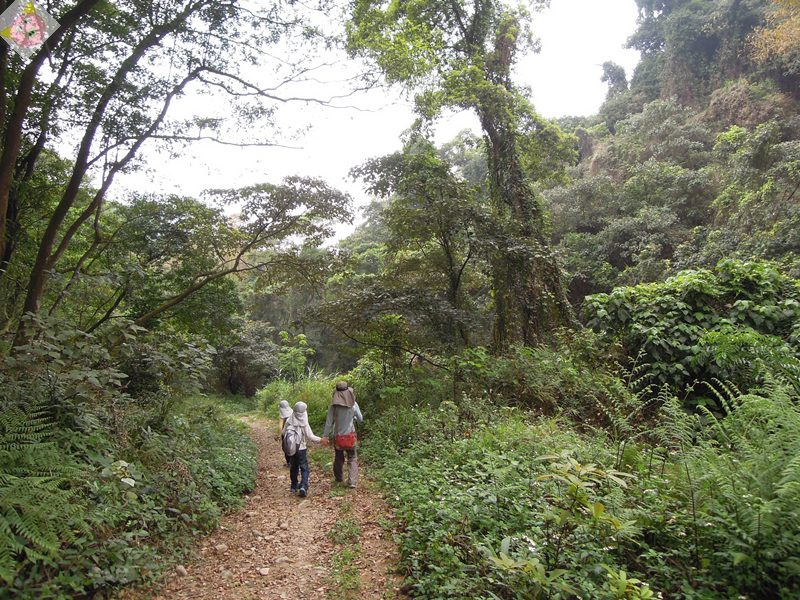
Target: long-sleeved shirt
{"x":308,"y":435}
{"x":343,"y":419}
{"x":305,"y":429}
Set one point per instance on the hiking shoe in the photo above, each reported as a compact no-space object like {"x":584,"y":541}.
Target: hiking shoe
{"x":352,"y":486}
{"x":302,"y":492}
{"x":293,"y":490}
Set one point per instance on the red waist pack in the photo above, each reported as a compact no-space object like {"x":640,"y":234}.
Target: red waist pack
{"x":346,"y":441}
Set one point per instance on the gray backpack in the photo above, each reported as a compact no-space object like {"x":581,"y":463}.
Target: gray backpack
{"x":292,"y":438}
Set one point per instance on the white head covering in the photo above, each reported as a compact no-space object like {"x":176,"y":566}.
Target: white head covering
{"x":299,"y":415}
{"x":284,"y":409}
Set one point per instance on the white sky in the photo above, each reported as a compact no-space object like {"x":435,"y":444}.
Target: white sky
{"x":577,"y":36}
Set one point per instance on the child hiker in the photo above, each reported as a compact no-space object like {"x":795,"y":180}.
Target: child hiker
{"x":285,"y":412}
{"x":297,"y":423}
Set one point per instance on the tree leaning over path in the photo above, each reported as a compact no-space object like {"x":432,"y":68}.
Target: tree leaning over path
{"x":459,"y":54}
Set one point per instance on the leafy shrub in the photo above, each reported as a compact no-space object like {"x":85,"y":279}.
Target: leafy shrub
{"x":66,"y":370}
{"x":170,"y":485}
{"x":567,"y":378}
{"x":162,"y":367}
{"x":315,"y":390}
{"x":293,"y":355}
{"x":242,"y":367}
{"x":684,"y":505}
{"x":380,"y":382}
{"x":271,"y":395}
{"x":745,"y":358}
{"x":746,"y":306}
{"x":462,"y":497}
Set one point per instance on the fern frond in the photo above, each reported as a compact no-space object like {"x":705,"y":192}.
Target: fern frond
{"x":749,"y":471}
{"x":37,"y":509}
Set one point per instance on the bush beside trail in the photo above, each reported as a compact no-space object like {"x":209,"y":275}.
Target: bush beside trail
{"x":104,"y":507}
{"x":503,"y":503}
{"x":315,"y":391}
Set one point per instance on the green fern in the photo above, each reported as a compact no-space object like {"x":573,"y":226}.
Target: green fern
{"x":626,"y":411}
{"x":677,"y":429}
{"x":749,"y":469}
{"x":38,"y":511}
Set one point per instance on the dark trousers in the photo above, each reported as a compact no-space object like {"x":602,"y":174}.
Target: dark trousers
{"x":352,"y":465}
{"x":299,"y":466}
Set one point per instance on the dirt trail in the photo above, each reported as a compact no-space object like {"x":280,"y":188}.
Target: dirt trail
{"x":253,"y":554}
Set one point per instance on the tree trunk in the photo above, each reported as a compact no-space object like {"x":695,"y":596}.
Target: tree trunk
{"x":12,"y":139}
{"x":528,"y":293}
{"x":529,"y":296}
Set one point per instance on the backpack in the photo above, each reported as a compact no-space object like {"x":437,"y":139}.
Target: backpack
{"x":292,"y":438}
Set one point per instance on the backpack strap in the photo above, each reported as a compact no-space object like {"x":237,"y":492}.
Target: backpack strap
{"x":335,"y":424}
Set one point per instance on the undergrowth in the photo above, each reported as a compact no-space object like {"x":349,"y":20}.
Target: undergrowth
{"x":522,"y":506}
{"x":85,"y":512}
{"x":315,"y":391}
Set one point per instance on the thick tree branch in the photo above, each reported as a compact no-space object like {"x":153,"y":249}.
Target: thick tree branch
{"x":110,"y":312}
{"x":12,"y":140}
{"x":387,"y":347}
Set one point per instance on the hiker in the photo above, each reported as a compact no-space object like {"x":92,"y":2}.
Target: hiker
{"x":297,"y":427}
{"x":285,"y":412}
{"x":339,"y":425}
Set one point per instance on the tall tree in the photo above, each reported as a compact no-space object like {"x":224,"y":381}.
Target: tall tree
{"x":614,"y":76}
{"x":112,"y":73}
{"x":432,"y":219}
{"x":460,"y":54}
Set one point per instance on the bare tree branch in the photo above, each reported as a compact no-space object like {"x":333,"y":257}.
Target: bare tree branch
{"x":387,"y":347}
{"x":267,"y":93}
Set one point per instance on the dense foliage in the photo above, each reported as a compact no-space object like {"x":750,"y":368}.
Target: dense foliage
{"x":651,"y":450}
{"x":738,"y":323}
{"x":96,"y":484}
{"x":500,"y":504}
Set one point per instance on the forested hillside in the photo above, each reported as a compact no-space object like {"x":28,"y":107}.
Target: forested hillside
{"x":576,"y":342}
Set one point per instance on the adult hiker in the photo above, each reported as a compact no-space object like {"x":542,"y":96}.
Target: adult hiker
{"x":339,"y":425}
